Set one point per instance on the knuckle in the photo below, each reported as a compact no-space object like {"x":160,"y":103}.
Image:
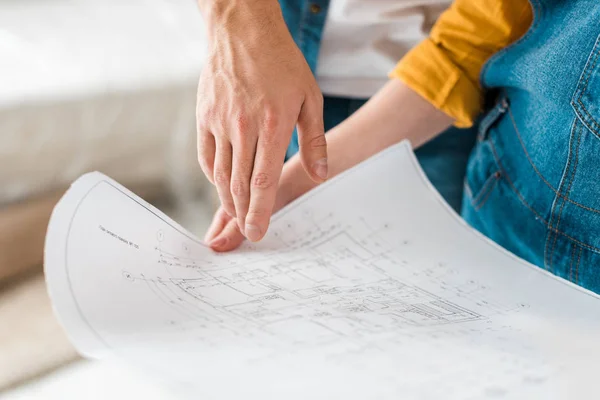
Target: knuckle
{"x":211,"y":112}
{"x":202,"y":129}
{"x":200,"y":106}
{"x":244,"y":165}
{"x":242,"y":144}
{"x":221,"y":178}
{"x":271,"y":119}
{"x":317,"y":141}
{"x":204,"y":114}
{"x":219,"y":129}
{"x":271,"y":138}
{"x":262,"y":181}
{"x":239,"y":188}
{"x":204,"y":142}
{"x":242,"y":124}
{"x":319,"y":99}
{"x":201,"y":126}
{"x":256,"y":213}
{"x":212,"y":121}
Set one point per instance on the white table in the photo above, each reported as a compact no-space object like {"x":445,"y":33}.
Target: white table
{"x":91,"y":380}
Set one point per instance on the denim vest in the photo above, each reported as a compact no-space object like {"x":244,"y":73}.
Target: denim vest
{"x":305,"y":20}
{"x":533,"y":179}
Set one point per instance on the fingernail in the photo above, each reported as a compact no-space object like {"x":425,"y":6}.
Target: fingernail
{"x":320,"y":168}
{"x":252,"y":232}
{"x":218,"y":242}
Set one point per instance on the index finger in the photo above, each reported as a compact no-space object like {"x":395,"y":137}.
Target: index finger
{"x":268,"y":163}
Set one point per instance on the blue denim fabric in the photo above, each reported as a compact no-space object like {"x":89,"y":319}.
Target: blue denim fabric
{"x":305,"y":21}
{"x":533,"y":180}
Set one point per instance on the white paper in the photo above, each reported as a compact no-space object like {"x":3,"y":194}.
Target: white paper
{"x":368,"y":287}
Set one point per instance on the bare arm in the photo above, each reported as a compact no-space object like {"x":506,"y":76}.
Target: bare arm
{"x":256,"y":86}
{"x":392,"y":115}
{"x":442,"y":71}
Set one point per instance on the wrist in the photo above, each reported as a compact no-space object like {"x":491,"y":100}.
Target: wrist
{"x":247,"y":17}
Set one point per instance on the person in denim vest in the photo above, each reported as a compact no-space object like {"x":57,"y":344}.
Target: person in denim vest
{"x":282,"y":73}
{"x":532,"y":182}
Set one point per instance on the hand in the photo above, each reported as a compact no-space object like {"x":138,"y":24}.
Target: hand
{"x":255,"y":88}
{"x":224,"y":233}
{"x":395,"y":113}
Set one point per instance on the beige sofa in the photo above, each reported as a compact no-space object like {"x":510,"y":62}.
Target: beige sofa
{"x":87,"y":85}
{"x":108,"y":86}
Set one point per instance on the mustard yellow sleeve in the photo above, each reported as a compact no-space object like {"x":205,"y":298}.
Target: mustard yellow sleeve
{"x":444,"y":68}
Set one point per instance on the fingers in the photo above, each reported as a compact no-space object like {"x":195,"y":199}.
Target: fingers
{"x":222,"y":174}
{"x":223,"y":234}
{"x":244,"y":147}
{"x":206,"y":153}
{"x":311,"y":138}
{"x":229,"y":239}
{"x":268,"y":163}
{"x":217,"y":225}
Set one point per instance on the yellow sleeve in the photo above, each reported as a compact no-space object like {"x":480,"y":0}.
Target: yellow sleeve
{"x":444,"y":68}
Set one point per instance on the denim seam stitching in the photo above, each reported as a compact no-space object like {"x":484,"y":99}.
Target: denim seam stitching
{"x":571,"y":180}
{"x":482,"y":192}
{"x":570,"y":177}
{"x":580,"y":243}
{"x":556,"y":192}
{"x":537,"y":11}
{"x":540,"y":218}
{"x":588,"y":71}
{"x":585,"y":86}
{"x":492,"y":118}
{"x":468,"y":190}
{"x":571,"y":263}
{"x":521,"y":198}
{"x":565,"y":176}
{"x":489,"y":193}
{"x":595,"y":126}
{"x":577,"y":269}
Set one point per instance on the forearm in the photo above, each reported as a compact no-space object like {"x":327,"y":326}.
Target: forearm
{"x":392,"y":115}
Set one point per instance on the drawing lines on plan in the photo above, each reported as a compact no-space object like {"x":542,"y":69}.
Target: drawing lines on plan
{"x":316,"y":279}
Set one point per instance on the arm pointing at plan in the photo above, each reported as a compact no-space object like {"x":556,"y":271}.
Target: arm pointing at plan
{"x":255,"y":88}
{"x":431,"y":96}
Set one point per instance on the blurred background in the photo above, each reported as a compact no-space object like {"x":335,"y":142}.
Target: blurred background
{"x":88,"y":85}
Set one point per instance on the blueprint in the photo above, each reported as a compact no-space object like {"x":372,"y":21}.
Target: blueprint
{"x":369,"y":286}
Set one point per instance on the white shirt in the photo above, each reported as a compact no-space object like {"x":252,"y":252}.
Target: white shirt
{"x":363,"y":40}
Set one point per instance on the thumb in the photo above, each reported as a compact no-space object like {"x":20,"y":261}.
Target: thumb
{"x":311,"y":139}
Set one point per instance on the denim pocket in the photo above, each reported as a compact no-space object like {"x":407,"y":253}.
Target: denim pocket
{"x":482,"y":175}
{"x":586,"y":99}
{"x":483,"y":172}
{"x":492,"y":117}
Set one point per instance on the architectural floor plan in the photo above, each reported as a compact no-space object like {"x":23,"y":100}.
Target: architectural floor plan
{"x":364,"y":296}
